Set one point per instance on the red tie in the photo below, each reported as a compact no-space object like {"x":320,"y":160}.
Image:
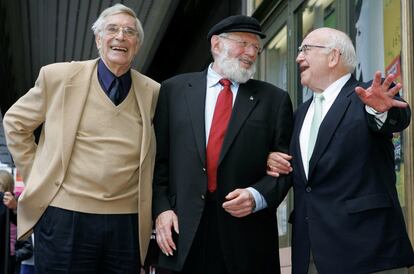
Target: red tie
{"x":221,"y":117}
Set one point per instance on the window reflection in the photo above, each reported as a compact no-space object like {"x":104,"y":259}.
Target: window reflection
{"x":276,"y":73}
{"x":378,"y":47}
{"x":317,"y":14}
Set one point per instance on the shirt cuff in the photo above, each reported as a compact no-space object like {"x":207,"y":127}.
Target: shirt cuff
{"x":380,"y":117}
{"x":258,"y":198}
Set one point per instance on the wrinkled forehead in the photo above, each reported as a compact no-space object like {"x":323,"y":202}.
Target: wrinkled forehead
{"x":122,"y":19}
{"x":316,"y":37}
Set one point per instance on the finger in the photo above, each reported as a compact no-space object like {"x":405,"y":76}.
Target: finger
{"x":282,"y":169}
{"x":272,"y":173}
{"x":399,"y":104}
{"x":161,"y":243}
{"x":395,"y":90}
{"x":361,"y":92}
{"x":242,"y":201}
{"x":233,"y":194}
{"x":279,"y":162}
{"x":242,"y":212}
{"x":285,"y":156}
{"x":377,"y":79}
{"x":175,"y":224}
{"x":166,"y":242}
{"x":388,"y":80}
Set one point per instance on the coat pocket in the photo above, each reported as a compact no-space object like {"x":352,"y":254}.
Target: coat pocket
{"x":363,"y":203}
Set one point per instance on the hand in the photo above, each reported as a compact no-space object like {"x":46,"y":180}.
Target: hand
{"x":278,"y":163}
{"x":240,"y":203}
{"x":10,"y":201}
{"x":163,"y":225}
{"x":379,"y":96}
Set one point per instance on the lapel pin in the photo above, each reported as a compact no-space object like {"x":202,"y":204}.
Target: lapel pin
{"x":251,"y":98}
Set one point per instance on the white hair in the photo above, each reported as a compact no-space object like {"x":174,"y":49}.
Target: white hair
{"x":99,"y":24}
{"x":341,"y":41}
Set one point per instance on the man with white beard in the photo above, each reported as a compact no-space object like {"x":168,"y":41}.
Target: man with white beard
{"x":214,"y":205}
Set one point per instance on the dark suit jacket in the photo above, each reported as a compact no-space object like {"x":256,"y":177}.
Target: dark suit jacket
{"x":347,"y":212}
{"x":261,"y":122}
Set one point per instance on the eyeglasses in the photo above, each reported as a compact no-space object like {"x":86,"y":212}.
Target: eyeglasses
{"x":113,"y":30}
{"x":244,"y":44}
{"x":305,"y":48}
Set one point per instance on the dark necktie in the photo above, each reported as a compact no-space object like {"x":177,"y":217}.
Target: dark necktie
{"x":221,"y":117}
{"x":115,"y":91}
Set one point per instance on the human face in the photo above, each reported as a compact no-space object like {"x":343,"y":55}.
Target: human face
{"x":243,"y":46}
{"x":118,"y":50}
{"x":313,"y":62}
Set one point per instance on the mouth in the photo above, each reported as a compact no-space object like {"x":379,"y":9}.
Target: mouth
{"x":245,"y":61}
{"x":303,"y":68}
{"x":116,"y":48}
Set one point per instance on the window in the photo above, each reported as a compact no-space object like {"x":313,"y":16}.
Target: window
{"x":378,"y":47}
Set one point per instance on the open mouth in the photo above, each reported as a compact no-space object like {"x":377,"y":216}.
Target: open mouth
{"x":119,"y":48}
{"x":303,"y":68}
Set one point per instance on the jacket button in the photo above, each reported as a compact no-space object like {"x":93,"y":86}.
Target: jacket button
{"x":56,"y":183}
{"x":204,"y":169}
{"x":202,"y":196}
{"x":308,"y":189}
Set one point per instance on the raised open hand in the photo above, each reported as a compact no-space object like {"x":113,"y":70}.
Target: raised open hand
{"x":380,"y":96}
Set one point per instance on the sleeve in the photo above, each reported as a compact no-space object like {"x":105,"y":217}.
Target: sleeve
{"x":20,"y":122}
{"x":274,"y":189}
{"x":161,"y":202}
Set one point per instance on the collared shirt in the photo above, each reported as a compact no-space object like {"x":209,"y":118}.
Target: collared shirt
{"x":330,"y":95}
{"x":106,"y":78}
{"x":213,"y":90}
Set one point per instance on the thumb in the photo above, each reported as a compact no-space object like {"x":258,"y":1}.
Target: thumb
{"x":175,"y":224}
{"x":233,"y":194}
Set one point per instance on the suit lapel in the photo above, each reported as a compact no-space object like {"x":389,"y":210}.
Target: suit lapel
{"x":331,"y":122}
{"x":144,"y":100}
{"x":195,"y":95}
{"x":246,"y":100}
{"x":300,"y":117}
{"x":75,"y":93}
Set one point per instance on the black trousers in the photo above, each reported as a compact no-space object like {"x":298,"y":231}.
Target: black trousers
{"x":74,"y":242}
{"x":205,"y":256}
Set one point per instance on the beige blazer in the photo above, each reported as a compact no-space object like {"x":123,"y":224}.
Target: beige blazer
{"x":57,"y":100}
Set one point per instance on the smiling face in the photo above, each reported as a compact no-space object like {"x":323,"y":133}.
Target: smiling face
{"x":235,"y":55}
{"x":118,"y":50}
{"x":314,"y":62}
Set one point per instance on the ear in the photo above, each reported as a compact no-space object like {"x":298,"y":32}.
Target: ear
{"x":215,"y":44}
{"x":334,"y":58}
{"x":98,"y":41}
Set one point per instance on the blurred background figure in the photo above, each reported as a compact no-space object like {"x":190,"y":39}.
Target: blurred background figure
{"x":25,"y":256}
{"x":8,"y":207}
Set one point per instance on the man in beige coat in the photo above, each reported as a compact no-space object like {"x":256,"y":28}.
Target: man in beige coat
{"x":88,"y":180}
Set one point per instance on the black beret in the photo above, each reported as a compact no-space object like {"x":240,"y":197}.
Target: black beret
{"x":237,"y":23}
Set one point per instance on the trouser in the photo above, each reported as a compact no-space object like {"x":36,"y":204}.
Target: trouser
{"x":73,"y":242}
{"x":205,"y":256}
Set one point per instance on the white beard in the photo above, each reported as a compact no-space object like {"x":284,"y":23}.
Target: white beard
{"x":231,"y":69}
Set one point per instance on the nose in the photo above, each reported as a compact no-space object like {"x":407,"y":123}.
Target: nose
{"x":120,"y":34}
{"x":300,"y":57}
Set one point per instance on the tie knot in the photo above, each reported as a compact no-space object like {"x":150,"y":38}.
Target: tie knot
{"x":225,"y":82}
{"x":319,"y":97}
